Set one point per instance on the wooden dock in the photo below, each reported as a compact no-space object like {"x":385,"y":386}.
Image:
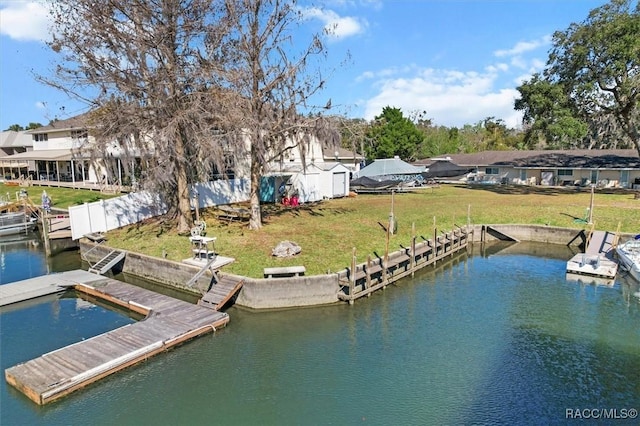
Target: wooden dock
{"x":597,"y":260}
{"x":31,"y":288}
{"x":363,"y":279}
{"x":168,"y":322}
{"x":220,"y":293}
{"x":59,"y":226}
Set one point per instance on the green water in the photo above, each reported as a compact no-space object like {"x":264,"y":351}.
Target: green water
{"x":499,"y":337}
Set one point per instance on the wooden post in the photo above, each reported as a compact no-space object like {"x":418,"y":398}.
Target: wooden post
{"x":45,"y":232}
{"x":352,"y":281}
{"x":435,"y":242}
{"x":368,"y":273}
{"x":412,"y":263}
{"x":591,"y":206}
{"x":385,"y":260}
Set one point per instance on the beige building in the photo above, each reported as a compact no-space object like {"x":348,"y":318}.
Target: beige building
{"x":614,"y":168}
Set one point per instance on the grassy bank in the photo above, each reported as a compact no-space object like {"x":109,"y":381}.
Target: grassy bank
{"x":328,"y":231}
{"x":60,"y":197}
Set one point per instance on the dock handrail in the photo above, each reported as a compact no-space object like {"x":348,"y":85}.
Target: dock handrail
{"x":84,"y":255}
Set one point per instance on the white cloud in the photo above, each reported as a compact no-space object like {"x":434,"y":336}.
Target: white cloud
{"x":519,"y":62}
{"x":497,"y":68}
{"x":337,"y":26}
{"x":24,"y":21}
{"x":451,"y":98}
{"x":523,"y":47}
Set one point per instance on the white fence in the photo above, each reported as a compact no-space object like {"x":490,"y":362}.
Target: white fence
{"x":105,"y":215}
{"x":219,"y":192}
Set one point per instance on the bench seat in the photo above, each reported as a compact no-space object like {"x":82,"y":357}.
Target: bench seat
{"x":284,"y":271}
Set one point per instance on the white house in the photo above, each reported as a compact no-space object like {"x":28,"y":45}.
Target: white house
{"x":11,"y":143}
{"x":59,"y":154}
{"x":56,"y":153}
{"x":314,"y":182}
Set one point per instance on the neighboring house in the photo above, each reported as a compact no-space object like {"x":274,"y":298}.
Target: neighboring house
{"x":57,"y":153}
{"x":325,"y":174}
{"x":60,"y":153}
{"x":617,"y":168}
{"x":12,"y":143}
{"x":316,"y":181}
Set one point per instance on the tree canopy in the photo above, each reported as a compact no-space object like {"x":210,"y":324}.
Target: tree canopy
{"x":391,"y":134}
{"x":591,"y":85}
{"x":19,"y":128}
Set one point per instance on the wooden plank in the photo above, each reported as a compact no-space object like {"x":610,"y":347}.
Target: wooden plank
{"x":220,"y":293}
{"x":398,"y":266}
{"x":65,"y":370}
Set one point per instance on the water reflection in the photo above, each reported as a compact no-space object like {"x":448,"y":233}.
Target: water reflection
{"x":497,"y":336}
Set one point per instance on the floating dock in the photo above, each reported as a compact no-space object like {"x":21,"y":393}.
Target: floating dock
{"x":168,"y":322}
{"x":597,"y":260}
{"x":31,"y":288}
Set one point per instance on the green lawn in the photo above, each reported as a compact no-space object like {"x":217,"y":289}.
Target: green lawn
{"x":60,"y":197}
{"x":328,"y":231}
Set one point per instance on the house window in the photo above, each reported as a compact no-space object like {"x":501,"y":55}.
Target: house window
{"x":492,"y":171}
{"x":565,"y":172}
{"x":594,"y":177}
{"x":624,"y":178}
{"x":523,"y":175}
{"x":229,"y":171}
{"x":41,"y":137}
{"x":79,"y":136}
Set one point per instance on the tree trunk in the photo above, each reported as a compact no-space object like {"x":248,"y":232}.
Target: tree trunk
{"x":184,"y":203}
{"x":255,"y":221}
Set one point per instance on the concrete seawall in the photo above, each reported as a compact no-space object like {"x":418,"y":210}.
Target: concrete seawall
{"x":258,"y":293}
{"x":289,"y":292}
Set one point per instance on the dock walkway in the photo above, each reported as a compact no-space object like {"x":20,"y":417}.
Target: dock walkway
{"x":597,"y":259}
{"x":31,"y":288}
{"x":168,"y":322}
{"x":220,"y":293}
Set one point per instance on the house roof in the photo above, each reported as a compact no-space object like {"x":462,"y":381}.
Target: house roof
{"x":343,"y":154}
{"x":74,"y":123}
{"x":575,"y":159}
{"x":389,"y":166}
{"x":44,"y":154}
{"x":11,"y":139}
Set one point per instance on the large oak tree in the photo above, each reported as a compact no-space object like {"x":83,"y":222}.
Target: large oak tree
{"x":594,"y":71}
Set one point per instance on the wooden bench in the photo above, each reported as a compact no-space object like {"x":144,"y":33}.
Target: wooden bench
{"x":284,"y":271}
{"x":233,"y":213}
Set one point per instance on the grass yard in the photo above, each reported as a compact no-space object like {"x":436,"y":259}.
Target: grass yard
{"x":60,"y":197}
{"x":328,"y":231}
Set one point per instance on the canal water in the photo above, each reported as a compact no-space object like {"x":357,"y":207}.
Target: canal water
{"x":500,"y":336}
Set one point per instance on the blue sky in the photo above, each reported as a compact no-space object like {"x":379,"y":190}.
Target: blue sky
{"x":458,"y":60}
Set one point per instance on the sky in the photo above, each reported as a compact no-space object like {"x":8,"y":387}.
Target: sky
{"x":460,"y":61}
